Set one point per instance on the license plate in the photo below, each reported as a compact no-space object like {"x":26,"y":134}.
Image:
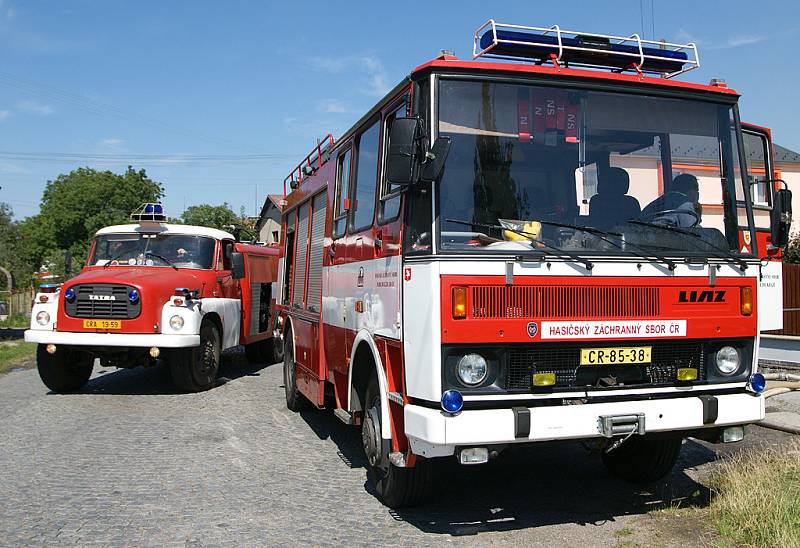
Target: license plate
{"x":615,"y":356}
{"x":102,"y":324}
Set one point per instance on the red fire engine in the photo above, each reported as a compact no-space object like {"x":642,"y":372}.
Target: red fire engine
{"x":510,"y":252}
{"x":153,"y":291}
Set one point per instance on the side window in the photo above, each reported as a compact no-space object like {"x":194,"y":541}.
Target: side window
{"x":363,"y":203}
{"x":390,"y":197}
{"x":227,"y":249}
{"x":755,"y":147}
{"x":342,"y":192}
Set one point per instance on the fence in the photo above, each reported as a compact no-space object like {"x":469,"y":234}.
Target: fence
{"x":19,"y":302}
{"x":791,"y":301}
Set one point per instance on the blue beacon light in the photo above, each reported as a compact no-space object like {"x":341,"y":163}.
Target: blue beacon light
{"x":69,"y":294}
{"x":133,"y":295}
{"x":452,"y":401}
{"x":757,"y":383}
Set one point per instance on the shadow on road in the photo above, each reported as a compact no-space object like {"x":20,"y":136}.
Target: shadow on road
{"x":156,"y":380}
{"x":546,"y":484}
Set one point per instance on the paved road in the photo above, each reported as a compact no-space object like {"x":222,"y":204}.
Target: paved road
{"x":131,"y":462}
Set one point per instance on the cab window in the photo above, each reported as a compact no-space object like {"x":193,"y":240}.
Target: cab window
{"x":390,"y":196}
{"x":362,"y":205}
{"x":342,"y":192}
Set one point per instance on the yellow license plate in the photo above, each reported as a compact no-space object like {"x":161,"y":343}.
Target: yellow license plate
{"x":102,"y":324}
{"x":615,"y":356}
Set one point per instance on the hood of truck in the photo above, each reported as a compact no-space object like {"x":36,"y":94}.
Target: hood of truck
{"x":154,"y":284}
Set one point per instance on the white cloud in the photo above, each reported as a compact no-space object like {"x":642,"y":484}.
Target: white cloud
{"x":112,"y":142}
{"x":744,"y":41}
{"x":370,"y":69}
{"x":6,"y":167}
{"x":4,"y":114}
{"x":331,"y":106}
{"x":36,"y":108}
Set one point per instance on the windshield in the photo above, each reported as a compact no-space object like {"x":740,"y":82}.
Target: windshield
{"x":545,"y":164}
{"x":168,"y":250}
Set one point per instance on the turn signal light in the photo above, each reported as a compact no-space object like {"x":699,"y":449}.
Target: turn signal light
{"x":687,"y":374}
{"x":544,"y":379}
{"x":459,"y":303}
{"x":746,"y":300}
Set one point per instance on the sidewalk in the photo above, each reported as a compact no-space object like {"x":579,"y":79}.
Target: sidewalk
{"x":783,"y":410}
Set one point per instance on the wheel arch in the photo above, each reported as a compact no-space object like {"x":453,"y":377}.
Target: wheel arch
{"x":364,"y":360}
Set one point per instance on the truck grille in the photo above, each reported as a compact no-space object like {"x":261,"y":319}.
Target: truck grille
{"x":564,"y":361}
{"x":537,"y":301}
{"x":118,"y":308}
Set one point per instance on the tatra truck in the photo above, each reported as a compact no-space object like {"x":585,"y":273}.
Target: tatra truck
{"x":154,"y":292}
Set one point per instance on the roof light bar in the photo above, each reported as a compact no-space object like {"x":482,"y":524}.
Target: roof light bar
{"x":584,"y":49}
{"x":149,"y":212}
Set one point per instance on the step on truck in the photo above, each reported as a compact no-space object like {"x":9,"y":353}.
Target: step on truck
{"x":154,"y":292}
{"x":554,"y":240}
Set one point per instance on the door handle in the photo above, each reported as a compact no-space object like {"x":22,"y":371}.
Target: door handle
{"x":332,"y":250}
{"x":378,"y":240}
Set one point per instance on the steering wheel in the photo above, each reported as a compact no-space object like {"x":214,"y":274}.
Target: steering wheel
{"x":664,"y":212}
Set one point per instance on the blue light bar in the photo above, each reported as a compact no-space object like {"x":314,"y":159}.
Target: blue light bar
{"x":541,"y":45}
{"x":149,"y":212}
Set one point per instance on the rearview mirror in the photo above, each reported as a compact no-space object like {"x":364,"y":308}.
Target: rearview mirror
{"x":435,"y":163}
{"x":237,"y":265}
{"x":781,"y":221}
{"x":402,"y":164}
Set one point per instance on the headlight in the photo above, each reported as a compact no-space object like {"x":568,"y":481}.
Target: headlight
{"x":43,"y":318}
{"x":176,"y":322}
{"x":728,"y":360}
{"x":472,"y":369}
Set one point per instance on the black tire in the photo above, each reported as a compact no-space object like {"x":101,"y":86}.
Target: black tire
{"x":295,"y":401}
{"x":643,"y":459}
{"x":396,"y":487}
{"x":277,"y":351}
{"x":66,"y":370}
{"x":195,"y":369}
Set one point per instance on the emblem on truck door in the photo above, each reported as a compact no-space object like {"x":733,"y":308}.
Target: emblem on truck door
{"x":533,"y":329}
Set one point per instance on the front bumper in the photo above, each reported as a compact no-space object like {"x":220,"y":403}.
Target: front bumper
{"x":432,"y":433}
{"x":126,"y":340}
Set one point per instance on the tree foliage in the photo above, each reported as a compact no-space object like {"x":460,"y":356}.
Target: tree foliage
{"x":210,"y":216}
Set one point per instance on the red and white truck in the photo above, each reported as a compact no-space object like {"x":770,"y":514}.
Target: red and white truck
{"x":558,"y":244}
{"x":153,"y":291}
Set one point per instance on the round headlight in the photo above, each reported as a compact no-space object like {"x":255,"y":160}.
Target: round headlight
{"x":133,"y":295}
{"x":472,"y":369}
{"x":176,"y":322}
{"x":728,"y":360}
{"x":69,"y":294}
{"x":43,"y":318}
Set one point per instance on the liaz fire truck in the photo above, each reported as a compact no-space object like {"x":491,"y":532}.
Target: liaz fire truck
{"x":152,"y":292}
{"x":555,"y":240}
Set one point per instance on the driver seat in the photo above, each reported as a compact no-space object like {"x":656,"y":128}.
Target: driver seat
{"x":612,"y":204}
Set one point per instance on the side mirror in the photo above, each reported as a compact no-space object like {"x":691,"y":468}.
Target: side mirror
{"x":436,"y":157}
{"x":781,"y":222}
{"x":403,"y":160}
{"x":68,"y":263}
{"x":237,"y":265}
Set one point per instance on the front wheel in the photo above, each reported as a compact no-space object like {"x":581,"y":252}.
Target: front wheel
{"x":643,"y":459}
{"x":195,"y":369}
{"x":396,"y":487}
{"x":66,"y":370}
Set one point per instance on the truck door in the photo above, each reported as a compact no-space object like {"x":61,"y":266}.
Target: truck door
{"x":336,"y":288}
{"x":761,"y":179}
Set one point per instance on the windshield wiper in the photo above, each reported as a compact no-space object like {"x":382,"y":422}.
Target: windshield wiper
{"x":575,"y":257}
{"x":151,"y":254}
{"x":114,"y":258}
{"x":722,"y":253}
{"x":602,"y":235}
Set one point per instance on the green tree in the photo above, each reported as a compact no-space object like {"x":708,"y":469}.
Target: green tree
{"x":9,"y":237}
{"x":74,"y":206}
{"x":210,"y":216}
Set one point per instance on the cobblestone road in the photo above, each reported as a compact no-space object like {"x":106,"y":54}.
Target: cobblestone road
{"x":130,"y":462}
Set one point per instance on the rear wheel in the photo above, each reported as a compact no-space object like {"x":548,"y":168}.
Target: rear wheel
{"x":643,"y":459}
{"x":295,"y":401}
{"x":396,"y":487}
{"x":195,"y":369}
{"x":64,"y":371}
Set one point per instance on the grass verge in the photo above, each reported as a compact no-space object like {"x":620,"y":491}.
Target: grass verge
{"x":14,"y":353}
{"x":17,"y":320}
{"x":756,"y":497}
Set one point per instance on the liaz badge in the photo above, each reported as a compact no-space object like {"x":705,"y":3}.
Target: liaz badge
{"x":533,"y":329}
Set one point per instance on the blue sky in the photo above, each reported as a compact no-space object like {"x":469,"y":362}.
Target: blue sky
{"x":187,"y":90}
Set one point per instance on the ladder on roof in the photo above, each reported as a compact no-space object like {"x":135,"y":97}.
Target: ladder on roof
{"x":584,"y":49}
{"x":310,"y":163}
